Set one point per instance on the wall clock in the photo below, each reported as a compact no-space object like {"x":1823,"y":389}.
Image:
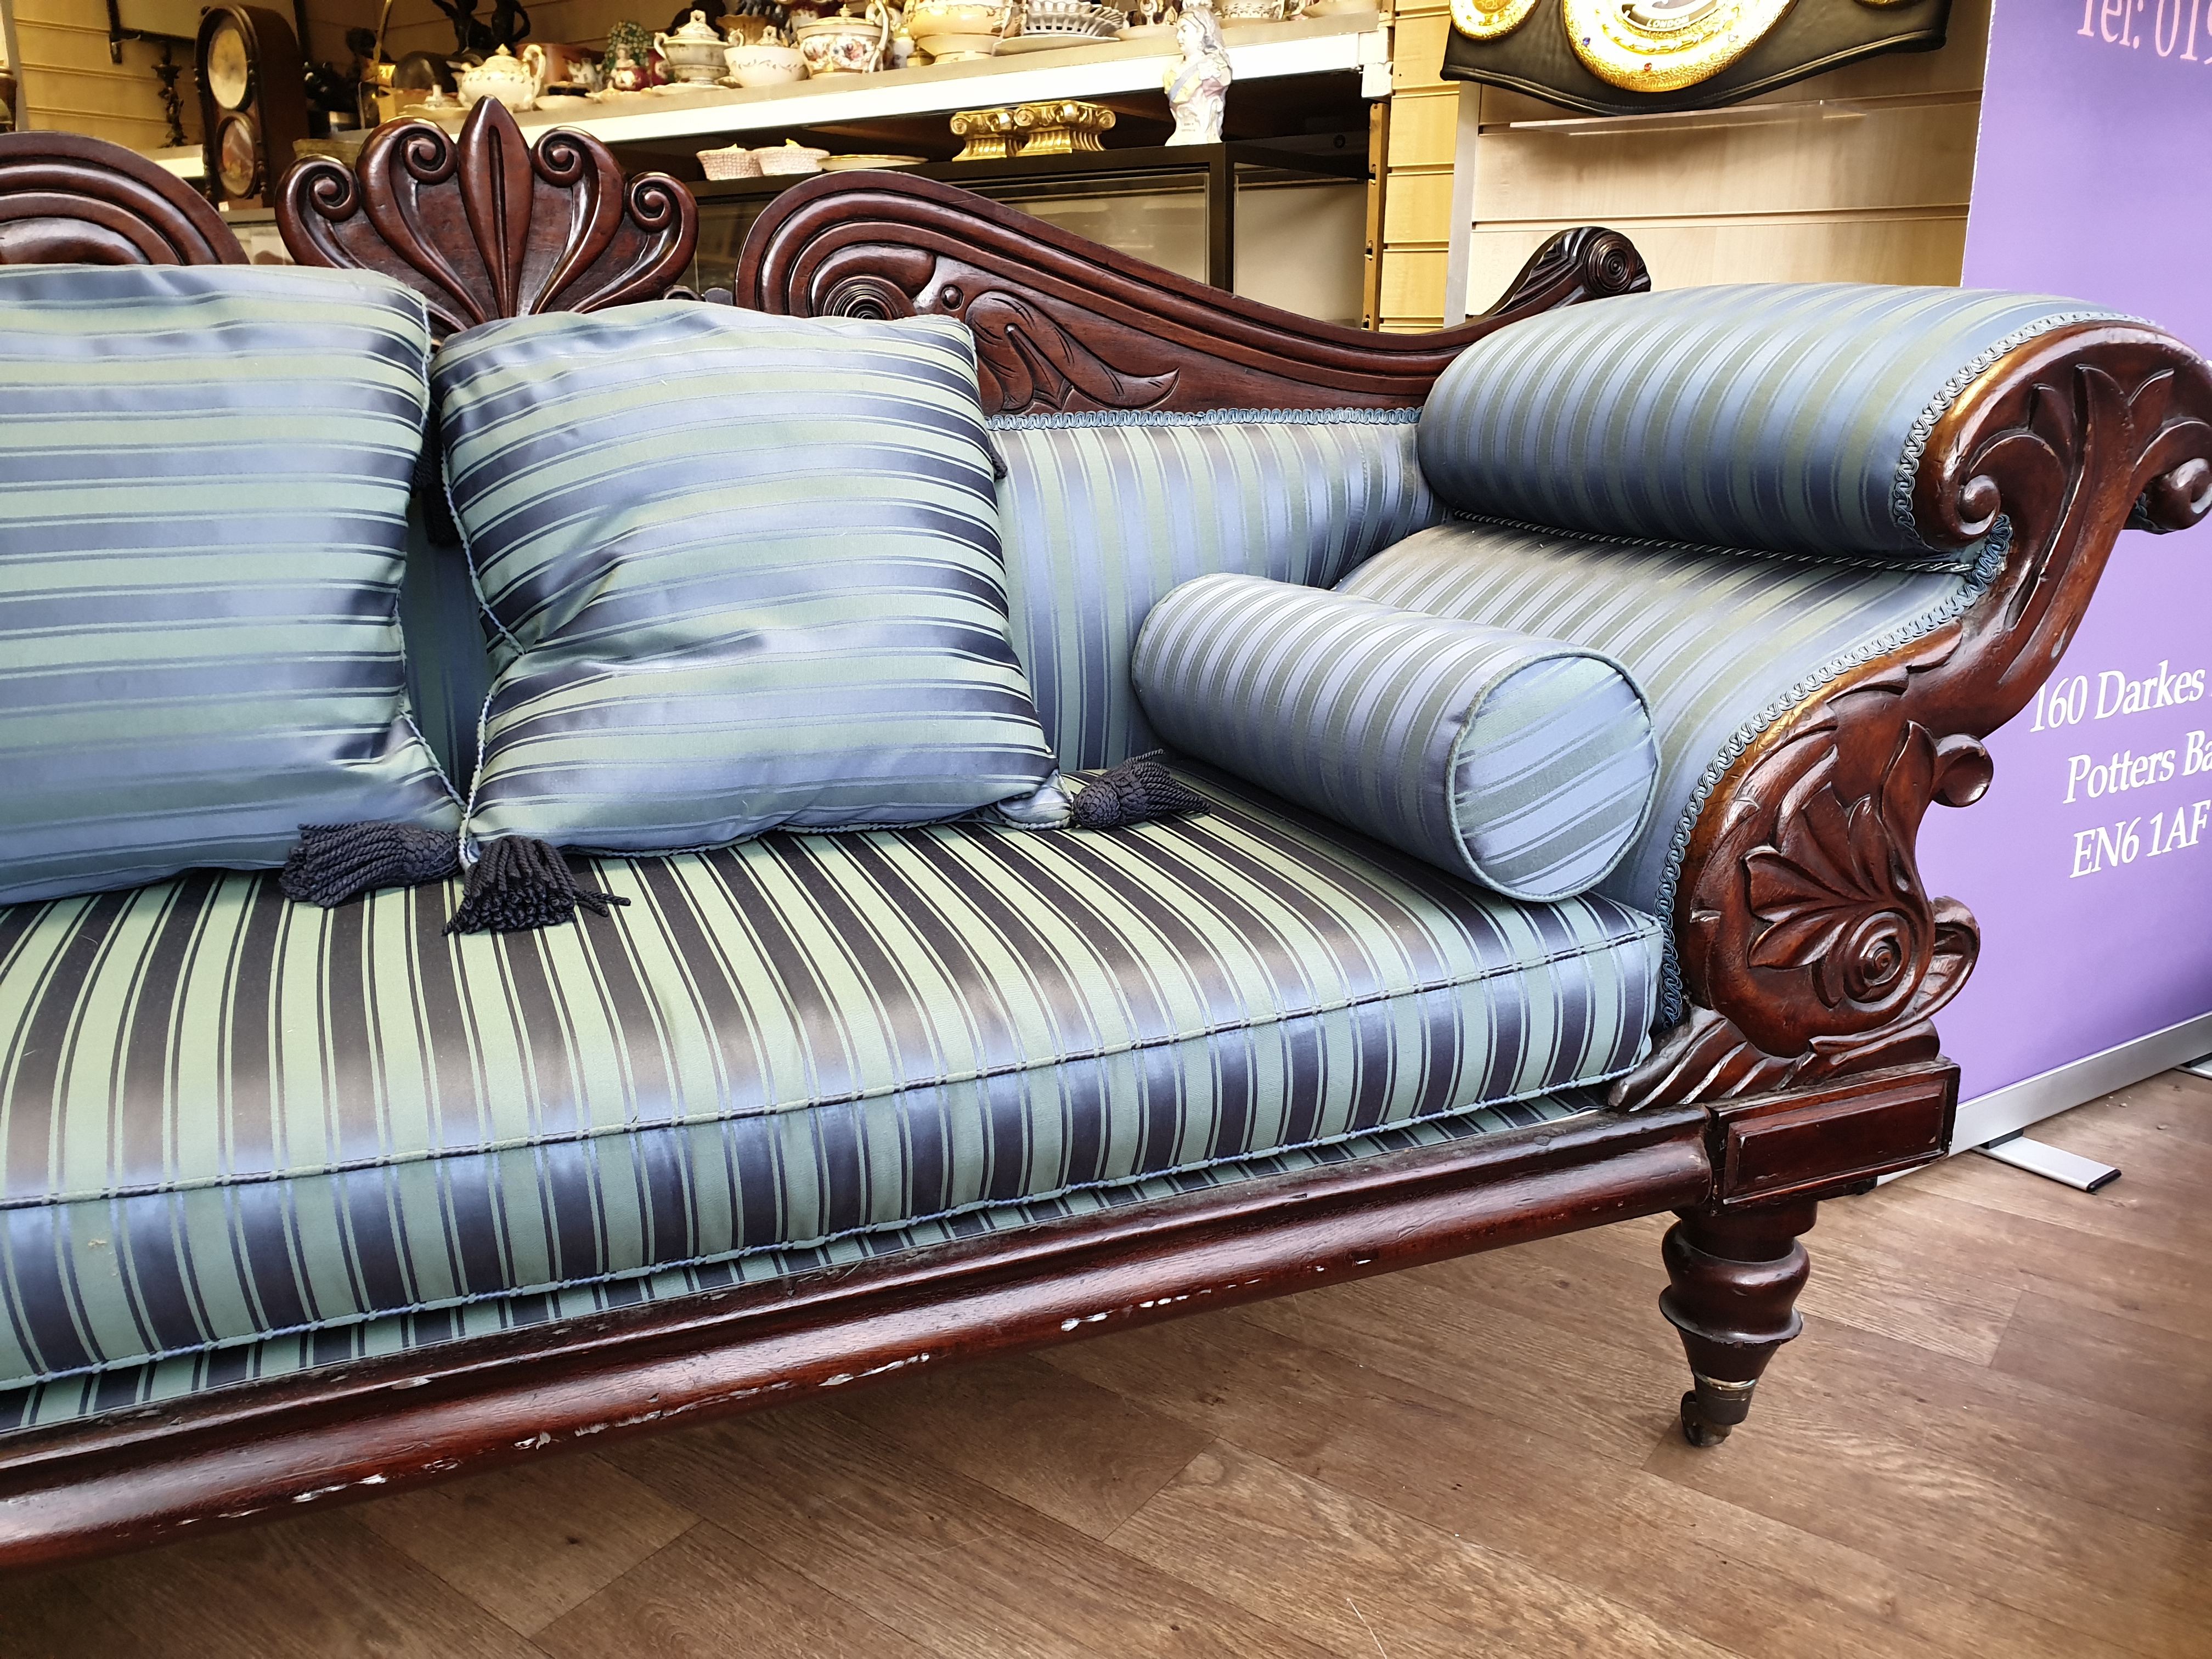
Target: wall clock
{"x":253,"y":103}
{"x":1630,"y":57}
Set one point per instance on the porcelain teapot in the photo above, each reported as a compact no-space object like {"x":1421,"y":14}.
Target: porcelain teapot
{"x":503,"y":77}
{"x":842,"y":45}
{"x":693,"y":53}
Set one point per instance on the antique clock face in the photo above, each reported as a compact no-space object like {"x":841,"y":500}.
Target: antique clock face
{"x":230,"y":69}
{"x":1487,"y":19}
{"x":253,"y":103}
{"x":237,"y":156}
{"x":1663,"y":46}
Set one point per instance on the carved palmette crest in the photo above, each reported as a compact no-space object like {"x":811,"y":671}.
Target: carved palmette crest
{"x":487,"y":226}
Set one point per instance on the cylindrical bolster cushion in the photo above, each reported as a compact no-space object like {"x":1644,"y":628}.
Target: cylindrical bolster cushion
{"x":1526,"y":764}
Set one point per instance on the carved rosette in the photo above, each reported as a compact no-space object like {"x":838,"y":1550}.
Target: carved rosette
{"x":1810,"y":949}
{"x":486,"y":226}
{"x":1063,"y":323}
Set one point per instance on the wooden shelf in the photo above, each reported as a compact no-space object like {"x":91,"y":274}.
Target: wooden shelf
{"x":1352,"y":42}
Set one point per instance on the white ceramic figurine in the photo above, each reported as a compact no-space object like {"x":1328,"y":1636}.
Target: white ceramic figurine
{"x":1198,"y":85}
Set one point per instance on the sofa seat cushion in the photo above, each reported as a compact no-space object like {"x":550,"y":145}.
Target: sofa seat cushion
{"x":180,"y":1376}
{"x":226,"y":1118}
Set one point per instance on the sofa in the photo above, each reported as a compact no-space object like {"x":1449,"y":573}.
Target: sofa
{"x":298,"y":1205}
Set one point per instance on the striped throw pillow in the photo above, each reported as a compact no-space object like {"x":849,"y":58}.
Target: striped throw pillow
{"x":204,"y":485}
{"x":744,"y":572}
{"x":1526,"y":764}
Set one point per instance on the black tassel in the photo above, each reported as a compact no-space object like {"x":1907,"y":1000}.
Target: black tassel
{"x":1135,"y":792}
{"x":518,"y":884}
{"x":334,"y":862}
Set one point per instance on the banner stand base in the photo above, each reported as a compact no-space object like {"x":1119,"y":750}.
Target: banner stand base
{"x":2010,"y":1109}
{"x":2082,"y":1174}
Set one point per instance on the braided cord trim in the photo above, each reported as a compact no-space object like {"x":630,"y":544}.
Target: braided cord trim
{"x":1204,"y":418}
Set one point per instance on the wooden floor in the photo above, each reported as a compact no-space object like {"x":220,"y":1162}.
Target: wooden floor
{"x":1995,"y":1437}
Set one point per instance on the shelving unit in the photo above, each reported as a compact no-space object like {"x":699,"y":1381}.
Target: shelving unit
{"x":1296,"y":197}
{"x":1351,"y":43}
{"x":1179,"y":207}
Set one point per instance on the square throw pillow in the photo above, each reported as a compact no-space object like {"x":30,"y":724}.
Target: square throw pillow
{"x":743,"y":573}
{"x":203,"y":486}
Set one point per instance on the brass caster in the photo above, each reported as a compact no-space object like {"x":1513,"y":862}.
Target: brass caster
{"x":1695,"y":1429}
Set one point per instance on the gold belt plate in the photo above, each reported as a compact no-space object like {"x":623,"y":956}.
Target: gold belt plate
{"x":1487,"y":19}
{"x":1663,"y":46}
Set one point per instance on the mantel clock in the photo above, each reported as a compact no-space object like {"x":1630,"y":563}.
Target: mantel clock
{"x":253,"y":102}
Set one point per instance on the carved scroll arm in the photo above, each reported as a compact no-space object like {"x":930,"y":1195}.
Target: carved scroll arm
{"x":1809,"y":947}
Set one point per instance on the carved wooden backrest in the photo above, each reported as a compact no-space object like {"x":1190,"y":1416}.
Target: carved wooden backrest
{"x":65,"y":199}
{"x":488,"y":226}
{"x":1063,"y":323}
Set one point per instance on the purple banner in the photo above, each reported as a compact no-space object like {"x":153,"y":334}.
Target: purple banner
{"x":2089,"y":862}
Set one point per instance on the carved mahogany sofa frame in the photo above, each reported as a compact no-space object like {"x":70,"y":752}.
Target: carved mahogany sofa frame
{"x":1801,"y":1073}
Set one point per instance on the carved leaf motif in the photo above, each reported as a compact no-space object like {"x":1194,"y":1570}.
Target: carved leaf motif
{"x":1029,"y":363}
{"x":1839,"y":896}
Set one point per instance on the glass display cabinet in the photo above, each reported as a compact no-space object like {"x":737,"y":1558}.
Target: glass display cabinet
{"x":1280,"y":225}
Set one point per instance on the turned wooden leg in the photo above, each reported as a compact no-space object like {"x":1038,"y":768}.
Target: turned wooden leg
{"x":1735,"y":1275}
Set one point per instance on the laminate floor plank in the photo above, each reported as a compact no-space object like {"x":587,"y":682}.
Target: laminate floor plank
{"x":2179,"y":1103}
{"x":2046,"y":1553}
{"x":1609,"y":1388}
{"x":2156,"y":1202}
{"x":2110,"y":1361}
{"x":1915,"y":1226}
{"x":940,"y":1557}
{"x":1364,"y":1578}
{"x":1694,"y":1565}
{"x":47,"y":1613}
{"x":2012,"y":1424}
{"x":1943,"y":1304}
{"x":529,"y":1543}
{"x":310,"y":1587}
{"x":1080,"y":1453}
{"x":709,"y":1596}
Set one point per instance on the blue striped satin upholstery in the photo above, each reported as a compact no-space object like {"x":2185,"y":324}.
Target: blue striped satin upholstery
{"x":448,"y":657}
{"x":1523,"y":763}
{"x":1778,"y":415}
{"x":203,"y":482}
{"x":745,"y":574}
{"x":226,"y":1118}
{"x":38,"y":1405}
{"x":1103,"y":513}
{"x":1723,"y":644}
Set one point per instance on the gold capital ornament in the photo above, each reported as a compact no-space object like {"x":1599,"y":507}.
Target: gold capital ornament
{"x":1663,"y":46}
